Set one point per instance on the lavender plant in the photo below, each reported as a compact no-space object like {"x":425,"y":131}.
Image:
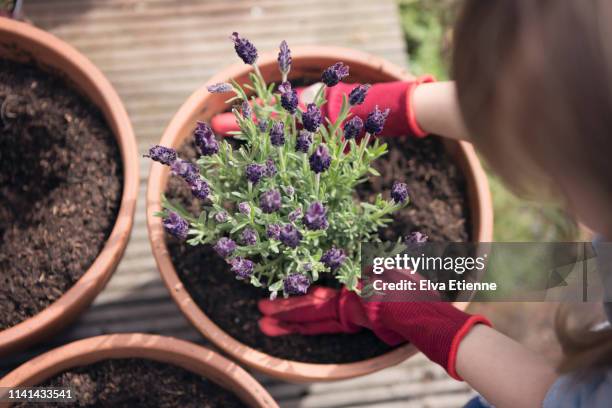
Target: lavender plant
{"x":281,"y":209}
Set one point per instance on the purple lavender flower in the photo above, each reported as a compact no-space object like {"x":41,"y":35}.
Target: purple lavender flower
{"x":333,"y":258}
{"x":225,"y":247}
{"x":244,"y":208}
{"x":176,"y":226}
{"x":221,"y":217}
{"x":358,"y":94}
{"x":244,"y":48}
{"x":205,"y":139}
{"x":273,"y":231}
{"x":316,"y":217}
{"x":289,"y":97}
{"x":303,"y":141}
{"x":270,"y":170}
{"x":296,"y":284}
{"x":353,"y":127}
{"x":399,"y":192}
{"x":254,"y":172}
{"x":290,"y":191}
{"x":290,"y":236}
{"x":243,"y":268}
{"x":334,"y":74}
{"x":375,"y":121}
{"x":262,"y":125}
{"x":247,"y":111}
{"x":199,"y":188}
{"x":311,"y":118}
{"x":221,"y":87}
{"x":249,"y":236}
{"x":185,"y":170}
{"x":320,"y":159}
{"x":162,"y":154}
{"x":415,"y":239}
{"x":277,"y":134}
{"x":284,"y":58}
{"x":295,"y":214}
{"x":270,"y":201}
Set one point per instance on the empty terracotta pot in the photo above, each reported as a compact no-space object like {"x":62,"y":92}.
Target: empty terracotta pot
{"x":308,"y":62}
{"x":189,"y":356}
{"x":23,"y":42}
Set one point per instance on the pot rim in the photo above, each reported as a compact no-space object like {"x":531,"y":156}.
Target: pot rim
{"x":97,"y":275}
{"x":170,"y":350}
{"x":270,"y":365}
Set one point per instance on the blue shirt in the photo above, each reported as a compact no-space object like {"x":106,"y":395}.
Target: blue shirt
{"x":567,"y":392}
{"x":596,"y":392}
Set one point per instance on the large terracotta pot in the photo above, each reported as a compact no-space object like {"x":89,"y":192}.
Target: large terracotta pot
{"x":189,"y":356}
{"x":20,"y":41}
{"x":308,"y":62}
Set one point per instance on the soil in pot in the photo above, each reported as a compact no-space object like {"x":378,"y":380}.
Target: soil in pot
{"x":60,"y":188}
{"x":439,"y":208}
{"x":140,"y":383}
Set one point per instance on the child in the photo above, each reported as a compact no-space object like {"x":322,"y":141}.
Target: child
{"x":533,"y":91}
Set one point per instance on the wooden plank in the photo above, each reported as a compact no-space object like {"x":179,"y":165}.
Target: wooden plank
{"x":371,"y":395}
{"x":452,"y":400}
{"x":221,"y":13}
{"x":99,"y":9}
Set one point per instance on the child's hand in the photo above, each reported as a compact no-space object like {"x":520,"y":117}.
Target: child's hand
{"x":397,"y":96}
{"x":435,"y":328}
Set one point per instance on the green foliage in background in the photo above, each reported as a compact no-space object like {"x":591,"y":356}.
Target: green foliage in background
{"x":427,"y":31}
{"x":427,"y":26}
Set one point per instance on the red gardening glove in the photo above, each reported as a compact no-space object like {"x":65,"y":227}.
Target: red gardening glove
{"x":396,"y":96}
{"x":435,"y":328}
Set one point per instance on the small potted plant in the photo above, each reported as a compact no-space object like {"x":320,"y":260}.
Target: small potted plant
{"x":68,"y":183}
{"x":279,"y":208}
{"x":138,"y":370}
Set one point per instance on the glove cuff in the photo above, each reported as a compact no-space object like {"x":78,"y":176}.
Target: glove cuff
{"x":416,"y":130}
{"x":454,"y":348}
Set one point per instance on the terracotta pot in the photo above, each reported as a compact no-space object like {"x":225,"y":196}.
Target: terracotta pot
{"x":189,"y":356}
{"x":308,"y":62}
{"x":20,"y":41}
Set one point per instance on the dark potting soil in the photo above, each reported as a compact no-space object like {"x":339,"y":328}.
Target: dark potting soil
{"x":139,"y":383}
{"x":60,"y":188}
{"x":438,"y":208}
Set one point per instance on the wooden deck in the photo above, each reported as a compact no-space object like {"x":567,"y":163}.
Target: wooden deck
{"x":156,"y":52}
